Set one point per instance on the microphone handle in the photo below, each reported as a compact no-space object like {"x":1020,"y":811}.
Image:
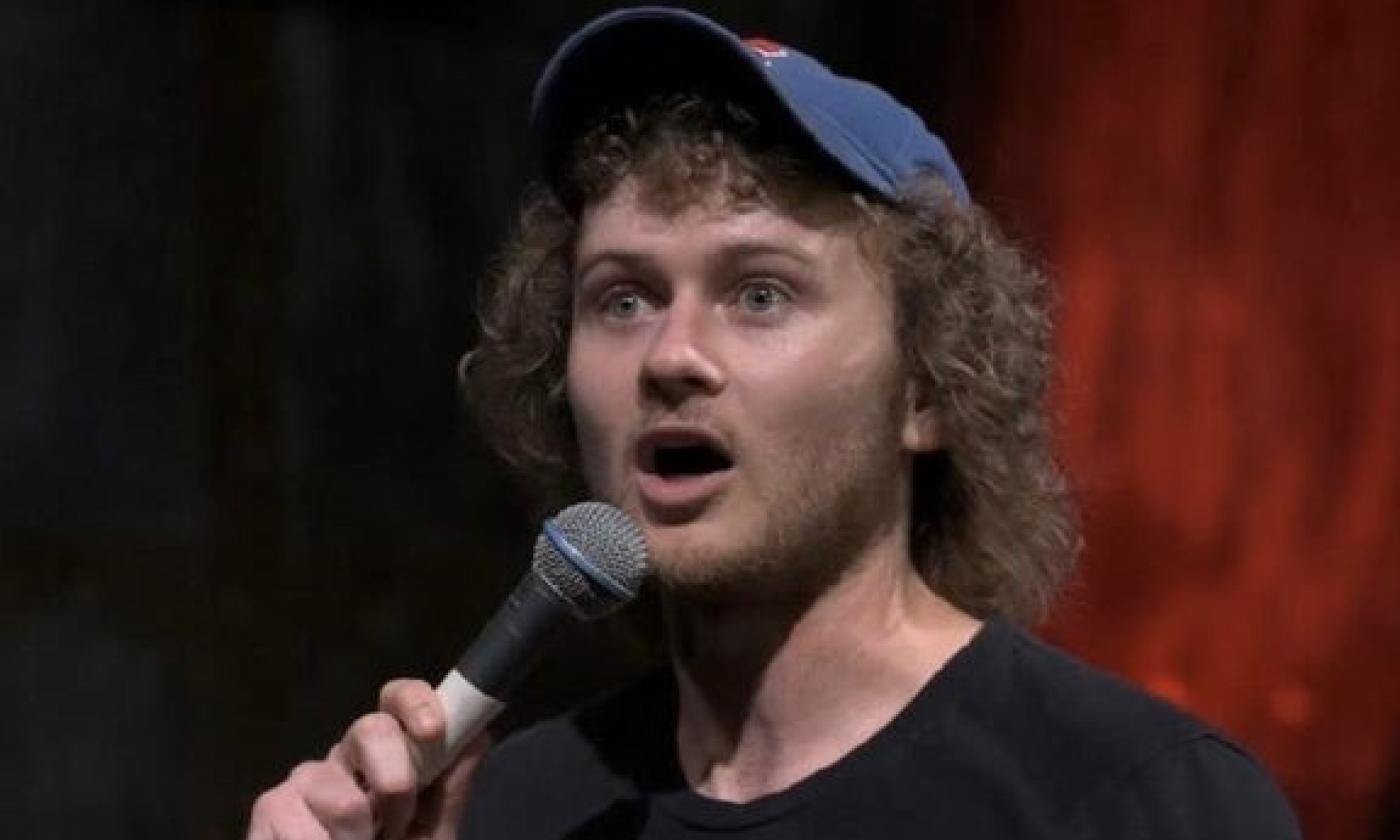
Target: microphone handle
{"x":475,"y":691}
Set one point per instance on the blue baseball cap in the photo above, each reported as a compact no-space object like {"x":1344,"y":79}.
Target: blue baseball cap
{"x":628,"y":55}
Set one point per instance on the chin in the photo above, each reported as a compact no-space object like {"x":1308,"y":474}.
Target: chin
{"x":699,"y":556}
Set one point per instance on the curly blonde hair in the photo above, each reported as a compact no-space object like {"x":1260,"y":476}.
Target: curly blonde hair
{"x":993,"y":528}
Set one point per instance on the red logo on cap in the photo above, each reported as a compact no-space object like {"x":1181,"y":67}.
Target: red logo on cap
{"x":766,"y":48}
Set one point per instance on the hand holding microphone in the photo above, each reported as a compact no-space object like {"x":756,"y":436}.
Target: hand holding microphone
{"x":589,"y":561}
{"x":378,"y":780}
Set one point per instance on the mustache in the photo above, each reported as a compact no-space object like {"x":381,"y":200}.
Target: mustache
{"x":699,"y":419}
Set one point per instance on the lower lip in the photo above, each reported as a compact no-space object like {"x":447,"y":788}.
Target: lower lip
{"x":680,"y":495}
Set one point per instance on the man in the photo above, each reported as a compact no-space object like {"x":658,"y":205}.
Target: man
{"x":756,"y":308}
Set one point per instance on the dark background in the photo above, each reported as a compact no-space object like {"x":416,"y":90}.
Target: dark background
{"x":238,"y":252}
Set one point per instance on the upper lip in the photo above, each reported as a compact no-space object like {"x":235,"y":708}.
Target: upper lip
{"x":676,"y":434}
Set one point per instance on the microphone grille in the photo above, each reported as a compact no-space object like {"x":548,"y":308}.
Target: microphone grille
{"x":594,"y":556}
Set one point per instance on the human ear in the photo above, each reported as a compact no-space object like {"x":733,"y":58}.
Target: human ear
{"x":919,"y":434}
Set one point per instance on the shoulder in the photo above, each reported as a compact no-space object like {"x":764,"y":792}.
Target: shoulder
{"x":1121,"y":763}
{"x":1056,"y":714}
{"x":1205,"y":787}
{"x":1080,"y":711}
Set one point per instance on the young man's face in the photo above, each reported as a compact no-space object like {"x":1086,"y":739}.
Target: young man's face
{"x":735,"y":383}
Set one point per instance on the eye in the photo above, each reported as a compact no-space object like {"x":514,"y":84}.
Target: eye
{"x":762,"y":297}
{"x":624,"y":303}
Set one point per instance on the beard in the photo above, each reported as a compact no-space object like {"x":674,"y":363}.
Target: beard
{"x":809,"y":527}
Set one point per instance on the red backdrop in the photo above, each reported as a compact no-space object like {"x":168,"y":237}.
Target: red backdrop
{"x":1214,"y":186}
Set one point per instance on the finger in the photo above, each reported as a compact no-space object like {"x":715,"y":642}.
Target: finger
{"x":330,"y":795}
{"x":377,"y":747}
{"x":416,"y":706}
{"x":440,"y":807}
{"x":281,"y":814}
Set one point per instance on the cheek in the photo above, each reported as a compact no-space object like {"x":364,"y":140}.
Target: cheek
{"x":808,"y":409}
{"x":597,"y":402}
{"x":582,"y":395}
{"x":829,"y":376}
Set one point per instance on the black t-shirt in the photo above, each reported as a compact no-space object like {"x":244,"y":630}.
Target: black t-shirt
{"x":1011,"y":739}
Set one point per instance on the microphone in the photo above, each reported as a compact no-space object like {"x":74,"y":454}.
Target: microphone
{"x":590,"y":559}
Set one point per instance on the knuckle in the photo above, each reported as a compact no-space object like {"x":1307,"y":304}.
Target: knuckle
{"x":268,"y":803}
{"x":392,"y":690}
{"x":374,"y":725}
{"x":414,"y":704}
{"x":397,"y":781}
{"x":345,"y":810}
{"x":302,"y":776}
{"x":404,"y":694}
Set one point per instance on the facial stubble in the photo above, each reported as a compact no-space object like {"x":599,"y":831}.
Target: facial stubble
{"x":832,"y":499}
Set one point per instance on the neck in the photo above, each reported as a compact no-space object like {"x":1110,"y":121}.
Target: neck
{"x":769,"y":694}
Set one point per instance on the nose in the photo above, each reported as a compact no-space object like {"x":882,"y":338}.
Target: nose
{"x":681,"y":361}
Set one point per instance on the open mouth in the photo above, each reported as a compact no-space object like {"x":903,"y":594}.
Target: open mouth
{"x":683,"y":454}
{"x":684,"y":461}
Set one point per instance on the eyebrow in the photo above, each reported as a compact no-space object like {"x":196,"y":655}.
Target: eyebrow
{"x":628,"y":258}
{"x":729,"y":252}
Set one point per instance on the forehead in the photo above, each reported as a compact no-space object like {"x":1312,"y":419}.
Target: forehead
{"x":631,"y":216}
